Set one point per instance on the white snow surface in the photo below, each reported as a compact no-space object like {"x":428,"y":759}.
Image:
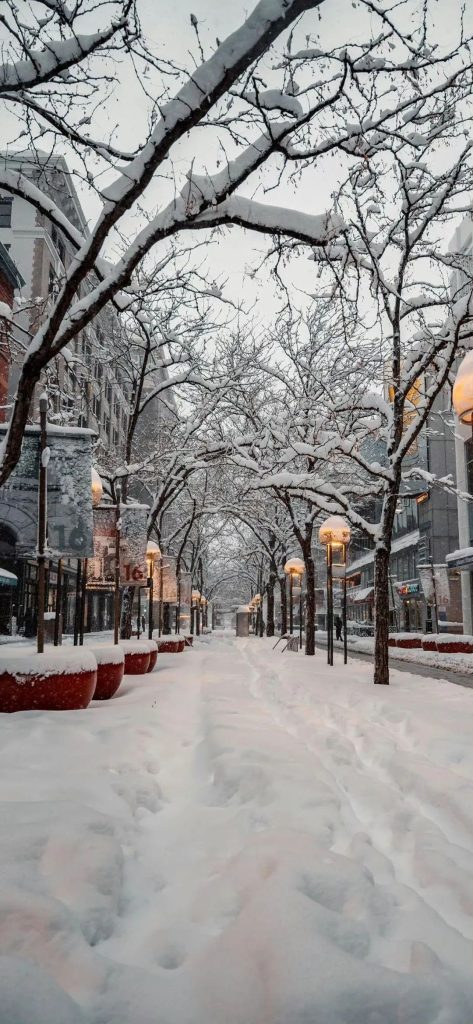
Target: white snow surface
{"x":241,"y":836}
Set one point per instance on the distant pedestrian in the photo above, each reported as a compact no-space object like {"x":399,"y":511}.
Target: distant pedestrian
{"x":338,"y":627}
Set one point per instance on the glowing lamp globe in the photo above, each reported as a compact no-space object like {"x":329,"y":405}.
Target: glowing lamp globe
{"x":462,"y":394}
{"x":195,"y":595}
{"x":335,"y":530}
{"x":96,"y":486}
{"x":203,"y":601}
{"x":294,"y":567}
{"x":153,"y":551}
{"x":257,"y":599}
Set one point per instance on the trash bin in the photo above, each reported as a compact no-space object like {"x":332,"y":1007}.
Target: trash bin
{"x":243,"y":620}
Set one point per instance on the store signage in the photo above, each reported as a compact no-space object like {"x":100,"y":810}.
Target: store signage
{"x":405,"y":589}
{"x":69,"y":499}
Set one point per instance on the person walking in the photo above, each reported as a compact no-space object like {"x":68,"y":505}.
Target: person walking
{"x":338,"y":627}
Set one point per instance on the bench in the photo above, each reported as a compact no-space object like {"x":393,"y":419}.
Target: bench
{"x":292,"y":642}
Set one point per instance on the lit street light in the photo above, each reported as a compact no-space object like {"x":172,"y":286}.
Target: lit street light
{"x":153,"y":552}
{"x":462,"y":394}
{"x":294,"y":568}
{"x":335,"y":533}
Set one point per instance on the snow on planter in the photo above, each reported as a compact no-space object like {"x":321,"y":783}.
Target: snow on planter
{"x":429,"y":642}
{"x":137,"y":656}
{"x":110,"y":668}
{"x":61,"y":679}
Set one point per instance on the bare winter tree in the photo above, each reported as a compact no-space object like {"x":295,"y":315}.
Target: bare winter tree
{"x":303,"y":117}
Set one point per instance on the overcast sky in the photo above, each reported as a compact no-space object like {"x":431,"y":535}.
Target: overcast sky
{"x":167,"y":26}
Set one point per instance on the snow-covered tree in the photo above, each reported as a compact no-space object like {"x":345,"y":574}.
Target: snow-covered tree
{"x":289,"y":111}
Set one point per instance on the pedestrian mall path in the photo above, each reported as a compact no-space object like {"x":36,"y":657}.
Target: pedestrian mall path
{"x":242,"y":837}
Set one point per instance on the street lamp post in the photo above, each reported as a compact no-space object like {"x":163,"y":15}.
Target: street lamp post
{"x":195,"y":612}
{"x":116,"y":598}
{"x":294,"y":568}
{"x":335,"y":534}
{"x":42,"y":520}
{"x":152,"y":553}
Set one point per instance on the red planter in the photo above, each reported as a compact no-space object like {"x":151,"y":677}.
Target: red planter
{"x":136,"y":664}
{"x":171,"y":646}
{"x":457,"y":646}
{"x":109,"y":677}
{"x":392,"y":641}
{"x":429,"y":644}
{"x":39,"y":682}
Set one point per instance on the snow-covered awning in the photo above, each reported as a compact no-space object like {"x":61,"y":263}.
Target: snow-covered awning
{"x":461,"y":559}
{"x":8,"y":579}
{"x":361,"y":595}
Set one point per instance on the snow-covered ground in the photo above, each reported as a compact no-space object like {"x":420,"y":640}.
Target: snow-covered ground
{"x":241,"y":837}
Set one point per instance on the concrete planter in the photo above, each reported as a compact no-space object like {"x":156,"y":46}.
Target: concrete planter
{"x":110,"y":669}
{"x":58,"y":680}
{"x":137,"y":657}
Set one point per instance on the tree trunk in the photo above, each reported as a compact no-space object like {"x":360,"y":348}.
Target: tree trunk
{"x":310,"y":604}
{"x":282,"y":587}
{"x":381,"y":613}
{"x":270,"y":604}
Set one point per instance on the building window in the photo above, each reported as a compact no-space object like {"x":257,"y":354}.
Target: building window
{"x":5,"y":212}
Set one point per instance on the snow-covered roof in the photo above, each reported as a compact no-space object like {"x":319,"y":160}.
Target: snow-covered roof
{"x":361,"y":595}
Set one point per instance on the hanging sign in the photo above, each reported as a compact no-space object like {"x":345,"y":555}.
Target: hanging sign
{"x":435,"y":584}
{"x":169,"y":580}
{"x":427,"y":582}
{"x":133,"y":541}
{"x":442,"y":585}
{"x":185,"y":589}
{"x":101,"y":568}
{"x":69,"y":498}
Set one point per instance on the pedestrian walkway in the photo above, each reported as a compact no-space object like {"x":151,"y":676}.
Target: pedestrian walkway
{"x":243,"y":836}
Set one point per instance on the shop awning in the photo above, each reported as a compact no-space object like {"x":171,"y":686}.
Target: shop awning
{"x":8,"y":579}
{"x":361,"y":595}
{"x":461,"y":559}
